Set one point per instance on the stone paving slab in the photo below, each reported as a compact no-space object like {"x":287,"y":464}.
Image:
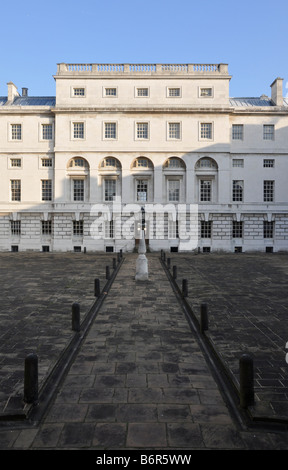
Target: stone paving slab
{"x":37,"y":292}
{"x":247,"y":298}
{"x":140,"y":381}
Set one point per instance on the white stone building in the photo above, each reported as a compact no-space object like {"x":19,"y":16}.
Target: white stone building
{"x":87,"y":169}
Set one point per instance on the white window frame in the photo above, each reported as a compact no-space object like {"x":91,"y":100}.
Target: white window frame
{"x":116,"y":130}
{"x":145,"y":139}
{"x":16,"y":167}
{"x":74,"y":88}
{"x":10,"y":125}
{"x":238,"y":135}
{"x":168,"y":130}
{"x":206,"y":139}
{"x":238,"y":163}
{"x":269,"y":135}
{"x":142,"y":88}
{"x":169,"y":92}
{"x":41,"y":127}
{"x":14,"y":191}
{"x":48,"y":190}
{"x":106,"y":179}
{"x":73,"y":129}
{"x":105,"y":88}
{"x":200,"y":90}
{"x":50,"y":159}
{"x":173,"y":179}
{"x":269,"y":163}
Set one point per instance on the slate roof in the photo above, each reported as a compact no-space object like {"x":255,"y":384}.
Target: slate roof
{"x":30,"y":101}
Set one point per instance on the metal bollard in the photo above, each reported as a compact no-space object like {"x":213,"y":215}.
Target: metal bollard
{"x":184,"y":288}
{"x":203,"y":317}
{"x":31,"y":379}
{"x":174,"y":272}
{"x":246,"y":381}
{"x":97,"y":288}
{"x":168,"y":263}
{"x":121,"y":254}
{"x":107,"y":272}
{"x":75,"y":316}
{"x":114,"y":263}
{"x":161,"y":254}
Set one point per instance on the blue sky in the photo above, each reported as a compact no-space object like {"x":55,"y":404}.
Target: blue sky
{"x":251,"y":36}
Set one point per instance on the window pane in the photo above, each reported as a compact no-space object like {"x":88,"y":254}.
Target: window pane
{"x":142,"y":190}
{"x":15,"y":190}
{"x":238,"y":191}
{"x":174,"y":130}
{"x":206,"y":229}
{"x":142,"y":91}
{"x":205,"y":190}
{"x":237,"y":229}
{"x":78,"y":130}
{"x":174,"y":190}
{"x":237,"y":132}
{"x":206,"y":130}
{"x":268,"y":132}
{"x":268,"y":191}
{"x":110,"y":190}
{"x":77,"y":227}
{"x":47,"y":131}
{"x":142,"y":130}
{"x":16,"y":133}
{"x":174,"y":91}
{"x":110,"y":130}
{"x":78,"y":193}
{"x":46,"y":190}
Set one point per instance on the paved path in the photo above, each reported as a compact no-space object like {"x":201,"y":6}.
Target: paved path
{"x":140,"y":381}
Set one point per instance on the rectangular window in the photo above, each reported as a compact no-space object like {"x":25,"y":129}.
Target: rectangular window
{"x":206,"y":130}
{"x":173,"y":230}
{"x":16,"y":131}
{"x":46,"y":162}
{"x":237,"y":231}
{"x":15,"y":190}
{"x":205,"y":190}
{"x":174,"y":130}
{"x":174,"y":92}
{"x":110,"y":190}
{"x":47,"y":132}
{"x":78,"y":92}
{"x":142,"y":130}
{"x":142,"y":190}
{"x":206,"y":229}
{"x":110,"y":130}
{"x":110,"y":92}
{"x":15,"y":163}
{"x":268,"y":191}
{"x":206,"y":92}
{"x":238,"y":163}
{"x":142,"y":92}
{"x":15,"y":227}
{"x":268,"y":132}
{"x":46,"y":227}
{"x":173,"y":190}
{"x":78,"y":190}
{"x":78,"y":130}
{"x":46,"y":190}
{"x":237,"y":131}
{"x":238,"y":187}
{"x":109,"y":229}
{"x":268,"y":163}
{"x":77,"y":228}
{"x":268,"y":229}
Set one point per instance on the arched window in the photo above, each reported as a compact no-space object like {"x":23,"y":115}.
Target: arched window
{"x":142,"y":163}
{"x":143,"y":181}
{"x":110,"y":174}
{"x":174,"y":179}
{"x":78,"y":171}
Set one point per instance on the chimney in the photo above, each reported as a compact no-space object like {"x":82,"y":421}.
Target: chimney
{"x":12,"y":92}
{"x":24,"y":91}
{"x":277,"y":91}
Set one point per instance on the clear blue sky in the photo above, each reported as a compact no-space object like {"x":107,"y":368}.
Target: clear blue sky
{"x":251,"y":36}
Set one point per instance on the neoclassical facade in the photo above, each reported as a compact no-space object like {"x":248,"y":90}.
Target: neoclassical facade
{"x":158,"y":147}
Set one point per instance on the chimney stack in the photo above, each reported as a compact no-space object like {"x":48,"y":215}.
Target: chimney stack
{"x":277,"y":91}
{"x":24,"y":91}
{"x":12,"y":92}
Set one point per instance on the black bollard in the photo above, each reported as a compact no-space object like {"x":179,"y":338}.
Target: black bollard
{"x":97,"y":288}
{"x":114,"y":263}
{"x":107,"y":272}
{"x":246,"y":381}
{"x":164,"y":256}
{"x":31,"y":379}
{"x":203,"y":317}
{"x":168,"y":263}
{"x":121,"y":254}
{"x":161,"y":254}
{"x":75,"y":316}
{"x":174,"y":272}
{"x":184,"y":288}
